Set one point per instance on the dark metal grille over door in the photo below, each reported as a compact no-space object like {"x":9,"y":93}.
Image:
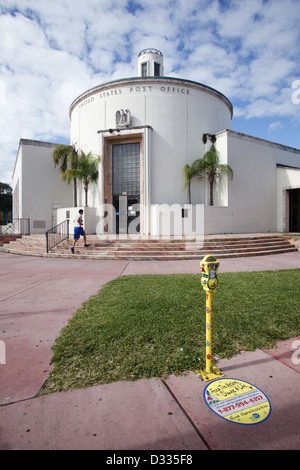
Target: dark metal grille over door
{"x":126,"y":168}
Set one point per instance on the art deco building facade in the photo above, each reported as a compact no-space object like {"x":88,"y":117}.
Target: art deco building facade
{"x":146,"y":129}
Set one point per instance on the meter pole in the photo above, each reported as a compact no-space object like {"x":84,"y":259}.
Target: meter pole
{"x":209,"y":326}
{"x":209,"y":267}
{"x":211,"y":372}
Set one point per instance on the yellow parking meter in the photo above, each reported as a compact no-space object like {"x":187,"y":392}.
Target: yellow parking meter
{"x":209,"y":281}
{"x":209,"y":268}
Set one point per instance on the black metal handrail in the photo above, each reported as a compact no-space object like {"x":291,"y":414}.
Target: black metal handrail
{"x":57,"y":234}
{"x":18,"y":227}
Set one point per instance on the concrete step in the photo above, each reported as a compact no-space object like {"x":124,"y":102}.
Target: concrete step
{"x":157,"y":249}
{"x":8,"y":238}
{"x":116,"y":251}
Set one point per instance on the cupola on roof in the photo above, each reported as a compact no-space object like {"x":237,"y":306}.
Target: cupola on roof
{"x":150,"y":63}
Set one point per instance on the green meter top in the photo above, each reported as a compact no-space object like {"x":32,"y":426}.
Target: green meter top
{"x":209,"y":259}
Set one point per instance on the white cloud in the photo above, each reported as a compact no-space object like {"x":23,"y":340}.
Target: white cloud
{"x":275,"y":126}
{"x":53,"y":50}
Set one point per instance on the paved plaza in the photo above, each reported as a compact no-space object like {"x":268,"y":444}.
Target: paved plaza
{"x":39,"y":295}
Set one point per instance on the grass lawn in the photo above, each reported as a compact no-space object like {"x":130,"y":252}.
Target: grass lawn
{"x":154,"y":325}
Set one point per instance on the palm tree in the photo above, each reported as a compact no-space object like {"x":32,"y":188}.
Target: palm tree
{"x":86,"y":171}
{"x":208,"y":167}
{"x":62,"y":155}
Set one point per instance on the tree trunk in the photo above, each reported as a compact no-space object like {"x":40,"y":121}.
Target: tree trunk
{"x":86,"y":194}
{"x":211,"y":191}
{"x":189,"y":193}
{"x":75,"y":192}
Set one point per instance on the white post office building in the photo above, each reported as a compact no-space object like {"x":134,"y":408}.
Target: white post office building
{"x":146,"y":129}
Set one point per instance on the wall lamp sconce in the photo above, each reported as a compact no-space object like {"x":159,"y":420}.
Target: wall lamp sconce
{"x":211,"y":137}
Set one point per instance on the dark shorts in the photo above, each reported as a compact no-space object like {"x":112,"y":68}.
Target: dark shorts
{"x":77,"y":232}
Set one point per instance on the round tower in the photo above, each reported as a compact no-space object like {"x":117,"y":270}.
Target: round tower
{"x":150,"y":63}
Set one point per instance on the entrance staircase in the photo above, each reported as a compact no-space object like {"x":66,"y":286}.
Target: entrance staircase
{"x":221,"y":246}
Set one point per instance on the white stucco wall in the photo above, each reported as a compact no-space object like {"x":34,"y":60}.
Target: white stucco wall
{"x":252,"y":194}
{"x":177,"y":220}
{"x":41,"y":190}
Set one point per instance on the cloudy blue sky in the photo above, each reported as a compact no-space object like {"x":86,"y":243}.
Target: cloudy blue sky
{"x":53,"y":50}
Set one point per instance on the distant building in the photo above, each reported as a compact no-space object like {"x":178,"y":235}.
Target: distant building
{"x":146,"y":129}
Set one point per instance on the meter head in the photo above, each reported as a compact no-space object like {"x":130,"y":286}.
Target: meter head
{"x":209,"y":269}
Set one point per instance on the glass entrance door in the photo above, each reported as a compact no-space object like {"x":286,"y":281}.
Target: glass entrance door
{"x":127,"y":214}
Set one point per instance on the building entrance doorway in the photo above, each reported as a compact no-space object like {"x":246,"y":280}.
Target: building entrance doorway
{"x":294,"y":210}
{"x":127,"y":214}
{"x":126,"y":186}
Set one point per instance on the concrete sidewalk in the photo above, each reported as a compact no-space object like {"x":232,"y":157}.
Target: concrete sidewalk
{"x":39,"y":295}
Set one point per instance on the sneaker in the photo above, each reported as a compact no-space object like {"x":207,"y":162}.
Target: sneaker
{"x":72,"y":249}
{"x":85,"y":246}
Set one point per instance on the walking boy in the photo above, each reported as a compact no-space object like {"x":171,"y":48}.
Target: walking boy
{"x":78,"y":230}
